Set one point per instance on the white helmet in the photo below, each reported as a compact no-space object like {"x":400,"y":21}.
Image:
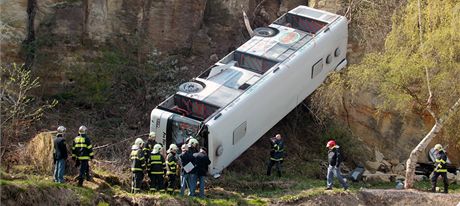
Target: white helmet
{"x":173,"y":147}
{"x":152,"y":135}
{"x":82,"y":129}
{"x":193,"y":142}
{"x":139,"y":142}
{"x":61,"y":129}
{"x":438,"y":147}
{"x":156,"y":148}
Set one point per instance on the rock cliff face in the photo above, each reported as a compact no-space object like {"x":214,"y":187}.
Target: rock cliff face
{"x":70,"y":32}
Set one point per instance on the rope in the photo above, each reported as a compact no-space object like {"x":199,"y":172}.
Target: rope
{"x":113,"y":144}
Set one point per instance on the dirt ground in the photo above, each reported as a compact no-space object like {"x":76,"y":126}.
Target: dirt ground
{"x":381,"y":197}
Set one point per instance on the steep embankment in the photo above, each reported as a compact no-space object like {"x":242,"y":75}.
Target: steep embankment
{"x":42,"y":192}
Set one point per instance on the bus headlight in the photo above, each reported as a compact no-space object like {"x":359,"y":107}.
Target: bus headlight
{"x":219,"y":150}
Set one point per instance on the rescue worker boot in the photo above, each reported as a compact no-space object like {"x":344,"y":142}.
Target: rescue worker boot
{"x":446,"y":189}
{"x":433,"y":186}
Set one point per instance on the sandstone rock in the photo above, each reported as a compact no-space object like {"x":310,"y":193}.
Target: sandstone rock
{"x":394,"y":162}
{"x":398,"y":169}
{"x":400,"y":178}
{"x":366,"y":172}
{"x":451,"y":177}
{"x":373,"y":166}
{"x":378,"y":177}
{"x":419,"y":178}
{"x":378,"y":156}
{"x":385,"y":166}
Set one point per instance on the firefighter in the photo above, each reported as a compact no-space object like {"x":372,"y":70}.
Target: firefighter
{"x":335,"y":157}
{"x":171,"y":168}
{"x":137,"y":165}
{"x":148,"y":146}
{"x":82,"y":153}
{"x":157,"y":167}
{"x":276,"y":154}
{"x":59,"y":155}
{"x":440,"y":168}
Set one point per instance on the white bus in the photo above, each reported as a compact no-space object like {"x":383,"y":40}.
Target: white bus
{"x":238,"y":99}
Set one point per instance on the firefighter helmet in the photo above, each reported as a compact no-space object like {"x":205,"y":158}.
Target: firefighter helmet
{"x":192,"y":142}
{"x":156,"y":148}
{"x":139,"y":142}
{"x":438,"y":147}
{"x":82,"y":129}
{"x":173,"y":147}
{"x":152,"y":135}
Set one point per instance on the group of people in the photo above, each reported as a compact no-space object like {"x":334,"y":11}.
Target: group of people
{"x":335,"y":158}
{"x":190,"y":164}
{"x":82,"y":153}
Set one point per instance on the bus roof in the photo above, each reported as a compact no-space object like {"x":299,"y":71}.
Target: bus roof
{"x":232,"y":75}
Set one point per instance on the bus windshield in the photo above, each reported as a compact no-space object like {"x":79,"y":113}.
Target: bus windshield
{"x":180,"y":128}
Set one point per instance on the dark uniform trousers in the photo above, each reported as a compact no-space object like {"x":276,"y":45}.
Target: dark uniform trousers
{"x":156,"y":182}
{"x":138,"y":176}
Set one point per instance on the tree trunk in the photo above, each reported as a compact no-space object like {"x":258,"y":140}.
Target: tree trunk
{"x":413,"y":157}
{"x":29,"y":42}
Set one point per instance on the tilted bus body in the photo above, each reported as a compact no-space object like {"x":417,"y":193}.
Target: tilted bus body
{"x":238,"y":99}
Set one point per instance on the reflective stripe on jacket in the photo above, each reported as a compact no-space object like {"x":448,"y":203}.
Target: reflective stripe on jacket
{"x":82,"y":148}
{"x":157,"y":164}
{"x":137,"y":160}
{"x":441,"y":164}
{"x":171,"y":164}
{"x":277,"y":152}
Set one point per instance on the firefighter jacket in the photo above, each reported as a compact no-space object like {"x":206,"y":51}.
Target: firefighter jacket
{"x":137,"y":159}
{"x":335,"y":156}
{"x":171,"y":164}
{"x":277,"y":152}
{"x":82,"y":148}
{"x":147,"y":149}
{"x":157,"y":164}
{"x":60,"y":148}
{"x":441,"y":164}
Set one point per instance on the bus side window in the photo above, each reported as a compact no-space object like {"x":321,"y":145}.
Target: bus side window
{"x":239,"y":132}
{"x":317,"y":68}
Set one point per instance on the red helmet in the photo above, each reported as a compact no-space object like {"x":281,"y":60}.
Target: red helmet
{"x":330,"y":144}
